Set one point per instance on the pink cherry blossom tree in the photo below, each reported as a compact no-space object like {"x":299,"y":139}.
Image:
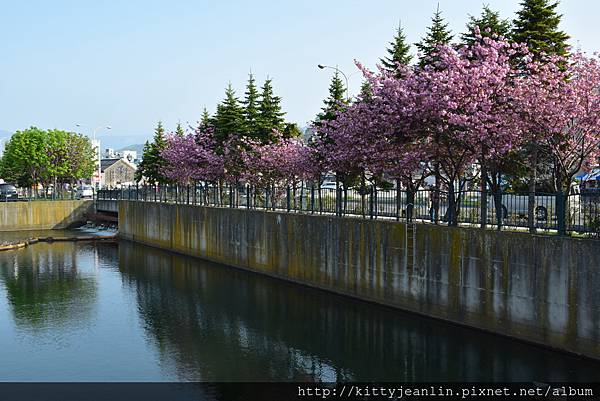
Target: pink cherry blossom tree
{"x":558,"y":102}
{"x":193,"y":157}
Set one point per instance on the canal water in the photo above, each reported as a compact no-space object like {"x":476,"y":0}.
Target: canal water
{"x":127,"y":312}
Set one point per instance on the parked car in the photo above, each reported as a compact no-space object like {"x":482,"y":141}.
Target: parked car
{"x":86,"y":191}
{"x":328,"y":185}
{"x":8,"y":192}
{"x":518,"y":204}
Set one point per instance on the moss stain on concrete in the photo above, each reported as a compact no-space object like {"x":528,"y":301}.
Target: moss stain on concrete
{"x":365,"y":259}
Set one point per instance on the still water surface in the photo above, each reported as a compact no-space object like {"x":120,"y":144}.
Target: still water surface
{"x":126,"y":312}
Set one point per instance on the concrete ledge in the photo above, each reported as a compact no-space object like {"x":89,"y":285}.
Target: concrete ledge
{"x":538,"y":289}
{"x":35,"y":240}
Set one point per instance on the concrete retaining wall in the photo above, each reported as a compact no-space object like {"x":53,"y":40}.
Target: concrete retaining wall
{"x":41,"y":215}
{"x":537,"y":288}
{"x":107,"y":205}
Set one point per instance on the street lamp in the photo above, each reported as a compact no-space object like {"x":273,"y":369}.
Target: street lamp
{"x":321,"y":66}
{"x":98,"y":155}
{"x":1,"y":146}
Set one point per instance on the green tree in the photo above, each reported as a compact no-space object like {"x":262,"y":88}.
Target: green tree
{"x":437,"y":34}
{"x":292,"y":130}
{"x":398,"y":53}
{"x":366,"y":91}
{"x":81,"y":157}
{"x":25,"y":160}
{"x":335,"y":102}
{"x":153,"y":163}
{"x":250,"y":103}
{"x":537,"y":25}
{"x":270,"y":116}
{"x":179,"y":130}
{"x":229,"y":118}
{"x":489,"y":23}
{"x":35,"y":156}
{"x":205,"y":119}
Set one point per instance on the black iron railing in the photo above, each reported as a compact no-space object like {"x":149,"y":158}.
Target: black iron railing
{"x":553,"y":212}
{"x":48,"y":194}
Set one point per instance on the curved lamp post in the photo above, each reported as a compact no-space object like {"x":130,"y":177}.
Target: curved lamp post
{"x":321,"y":66}
{"x":99,"y":157}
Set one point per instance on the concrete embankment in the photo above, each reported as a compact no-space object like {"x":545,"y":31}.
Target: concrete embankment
{"x":41,"y":215}
{"x":540,"y":289}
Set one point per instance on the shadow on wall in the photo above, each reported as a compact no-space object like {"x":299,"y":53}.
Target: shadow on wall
{"x":44,"y":215}
{"x":202,"y":315}
{"x":536,"y":288}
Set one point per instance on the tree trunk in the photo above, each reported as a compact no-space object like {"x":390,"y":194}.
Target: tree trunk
{"x":363,"y":199}
{"x":484,"y":195}
{"x":410,"y":203}
{"x":497,"y":195}
{"x":436,"y":198}
{"x":532,"y":185}
{"x":451,"y":211}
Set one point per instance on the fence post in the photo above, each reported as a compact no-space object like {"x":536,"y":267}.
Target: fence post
{"x":561,"y":212}
{"x":338,"y":198}
{"x":398,"y":203}
{"x":267,"y":198}
{"x":371,"y":200}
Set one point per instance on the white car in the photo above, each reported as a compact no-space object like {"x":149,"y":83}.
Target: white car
{"x":86,"y":191}
{"x":328,"y":185}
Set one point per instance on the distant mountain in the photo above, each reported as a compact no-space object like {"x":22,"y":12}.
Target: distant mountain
{"x":138,"y":147}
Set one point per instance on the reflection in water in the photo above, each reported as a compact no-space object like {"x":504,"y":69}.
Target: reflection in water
{"x":211,"y":322}
{"x":45,"y":287}
{"x":108,"y":312}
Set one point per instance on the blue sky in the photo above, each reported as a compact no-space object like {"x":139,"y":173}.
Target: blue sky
{"x":131,"y":63}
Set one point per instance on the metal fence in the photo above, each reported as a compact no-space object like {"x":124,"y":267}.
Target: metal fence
{"x":581,"y":211}
{"x":35,"y":194}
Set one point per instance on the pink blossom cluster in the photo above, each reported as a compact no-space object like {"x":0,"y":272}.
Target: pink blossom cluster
{"x":283,"y":161}
{"x":193,"y":157}
{"x":477,"y":104}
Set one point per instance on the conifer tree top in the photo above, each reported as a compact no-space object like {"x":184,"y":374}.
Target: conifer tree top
{"x":270,"y":116}
{"x":159,"y":134}
{"x":537,"y":25}
{"x":489,"y":23}
{"x":398,"y":53}
{"x":438,"y":33}
{"x":179,"y":130}
{"x":205,"y":118}
{"x":229,"y":118}
{"x":336,"y":99}
{"x":250,"y":104}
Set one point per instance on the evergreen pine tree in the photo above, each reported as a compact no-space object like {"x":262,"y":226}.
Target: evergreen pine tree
{"x":335,"y":102}
{"x":437,"y":34}
{"x":229,"y":118}
{"x":398,"y":53}
{"x":489,"y":23}
{"x":270,"y":116}
{"x":152,"y":163}
{"x":179,"y":130}
{"x":250,"y":103}
{"x":205,"y":119}
{"x":537,"y":25}
{"x":292,"y":130}
{"x":366,"y":91}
